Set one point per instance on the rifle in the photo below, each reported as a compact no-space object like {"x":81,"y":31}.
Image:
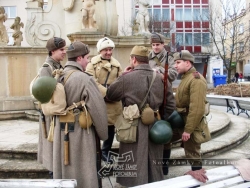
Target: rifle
{"x":165,"y":81}
{"x":98,"y":158}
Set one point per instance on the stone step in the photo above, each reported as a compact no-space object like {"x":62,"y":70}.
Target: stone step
{"x":236,"y":134}
{"x":22,"y":169}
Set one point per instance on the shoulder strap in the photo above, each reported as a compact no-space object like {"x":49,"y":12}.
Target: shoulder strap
{"x":145,"y":98}
{"x":67,"y":76}
{"x":45,"y":63}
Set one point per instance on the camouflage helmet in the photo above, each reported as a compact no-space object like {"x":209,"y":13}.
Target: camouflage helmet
{"x":43,"y":88}
{"x":176,"y":120}
{"x":161,"y":132}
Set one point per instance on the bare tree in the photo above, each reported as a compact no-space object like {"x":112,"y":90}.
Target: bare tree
{"x":229,"y":32}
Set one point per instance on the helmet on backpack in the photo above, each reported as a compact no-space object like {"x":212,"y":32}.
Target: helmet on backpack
{"x":43,"y":88}
{"x":161,"y":132}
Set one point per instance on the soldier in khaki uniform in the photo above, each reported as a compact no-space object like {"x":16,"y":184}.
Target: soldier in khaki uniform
{"x":157,"y":60}
{"x":106,"y":70}
{"x":158,"y":55}
{"x":56,"y":54}
{"x":190,"y":103}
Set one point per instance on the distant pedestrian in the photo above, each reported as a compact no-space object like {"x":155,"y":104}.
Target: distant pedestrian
{"x":236,"y":77}
{"x":241,"y":76}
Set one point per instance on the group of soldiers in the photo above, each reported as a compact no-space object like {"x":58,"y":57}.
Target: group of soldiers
{"x":106,"y":88}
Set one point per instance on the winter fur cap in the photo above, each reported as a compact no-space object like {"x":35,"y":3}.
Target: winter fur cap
{"x":140,"y":51}
{"x":104,"y":43}
{"x":77,"y":49}
{"x":55,"y":43}
{"x":157,"y":38}
{"x":184,"y":55}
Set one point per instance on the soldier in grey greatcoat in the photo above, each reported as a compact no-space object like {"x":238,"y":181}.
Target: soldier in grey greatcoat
{"x":131,"y":88}
{"x":57,"y":52}
{"x":157,"y":60}
{"x":82,"y":142}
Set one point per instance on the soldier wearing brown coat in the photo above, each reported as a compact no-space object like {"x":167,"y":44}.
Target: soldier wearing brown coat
{"x":190,"y":103}
{"x":57,"y":52}
{"x":82,"y":143}
{"x":131,"y":88}
{"x":106,"y":70}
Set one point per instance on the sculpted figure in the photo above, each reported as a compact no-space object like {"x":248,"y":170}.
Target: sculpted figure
{"x":142,"y":16}
{"x":3,"y":34}
{"x":17,"y":35}
{"x":88,"y":11}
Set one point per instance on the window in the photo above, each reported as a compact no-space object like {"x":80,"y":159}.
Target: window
{"x":11,"y":40}
{"x":241,"y":46}
{"x":157,"y":15}
{"x":187,"y":15}
{"x":241,"y":29}
{"x":205,"y":14}
{"x":165,"y":15}
{"x":179,"y":14}
{"x":232,"y":32}
{"x":197,"y":39}
{"x":179,"y":38}
{"x":196,"y":14}
{"x":188,"y":39}
{"x":205,"y":39}
{"x":11,"y":11}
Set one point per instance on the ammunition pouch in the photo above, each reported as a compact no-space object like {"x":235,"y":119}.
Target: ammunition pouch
{"x":74,"y":114}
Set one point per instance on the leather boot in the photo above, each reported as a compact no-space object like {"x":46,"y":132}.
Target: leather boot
{"x":165,"y":160}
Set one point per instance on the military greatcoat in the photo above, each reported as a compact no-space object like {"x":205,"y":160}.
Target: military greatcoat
{"x":106,"y":72}
{"x":190,"y":102}
{"x":82,"y":144}
{"x":45,"y":148}
{"x":131,"y":88}
{"x":157,"y":62}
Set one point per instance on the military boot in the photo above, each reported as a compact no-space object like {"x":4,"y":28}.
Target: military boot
{"x":165,"y":160}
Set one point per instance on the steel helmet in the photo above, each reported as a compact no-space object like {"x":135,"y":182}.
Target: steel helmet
{"x":43,"y":88}
{"x":161,"y":132}
{"x":176,"y":120}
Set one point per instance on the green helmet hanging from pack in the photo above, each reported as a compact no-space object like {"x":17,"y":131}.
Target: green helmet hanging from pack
{"x":43,"y":88}
{"x":176,"y":120}
{"x":161,"y":132}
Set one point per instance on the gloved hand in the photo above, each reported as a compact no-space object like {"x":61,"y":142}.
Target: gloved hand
{"x":200,"y":175}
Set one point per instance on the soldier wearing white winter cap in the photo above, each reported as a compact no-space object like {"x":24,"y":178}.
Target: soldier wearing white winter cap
{"x":105,"y":69}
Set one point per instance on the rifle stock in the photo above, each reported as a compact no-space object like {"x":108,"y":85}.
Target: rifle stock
{"x":165,"y":82}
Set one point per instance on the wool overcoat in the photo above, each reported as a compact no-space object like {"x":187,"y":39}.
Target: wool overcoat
{"x":157,"y":61}
{"x":131,"y":88}
{"x":106,"y":72}
{"x":45,"y":148}
{"x":82,"y":144}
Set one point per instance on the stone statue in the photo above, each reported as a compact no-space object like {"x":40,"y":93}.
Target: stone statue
{"x":135,"y":28}
{"x":17,"y":35}
{"x":88,"y":11}
{"x":142,"y":16}
{"x":4,"y":39}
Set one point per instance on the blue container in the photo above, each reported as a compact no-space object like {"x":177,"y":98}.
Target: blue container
{"x":219,"y":79}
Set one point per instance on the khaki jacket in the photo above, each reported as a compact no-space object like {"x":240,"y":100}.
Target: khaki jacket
{"x":157,"y":62}
{"x":191,"y":98}
{"x":106,"y":72}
